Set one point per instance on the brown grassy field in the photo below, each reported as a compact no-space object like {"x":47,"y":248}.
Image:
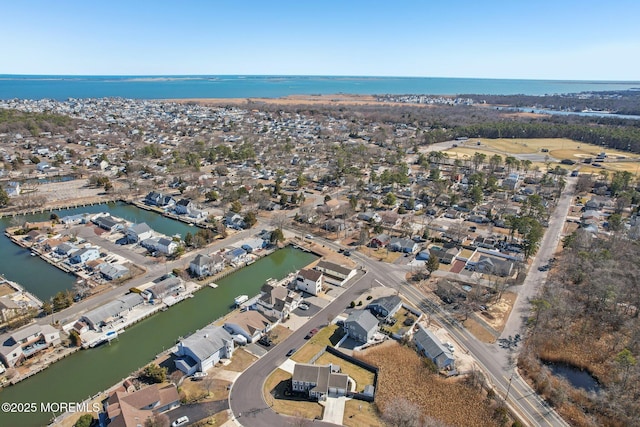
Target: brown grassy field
{"x":208,"y":389}
{"x":404,"y":375}
{"x":358,"y":413}
{"x":326,"y":336}
{"x":240,"y":361}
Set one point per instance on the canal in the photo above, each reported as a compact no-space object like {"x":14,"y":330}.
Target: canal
{"x":88,"y":372}
{"x":44,"y":280}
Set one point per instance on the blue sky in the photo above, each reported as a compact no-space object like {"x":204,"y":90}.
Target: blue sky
{"x":561,"y":39}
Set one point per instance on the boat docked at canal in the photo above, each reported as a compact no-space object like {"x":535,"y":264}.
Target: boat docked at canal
{"x":240,"y":299}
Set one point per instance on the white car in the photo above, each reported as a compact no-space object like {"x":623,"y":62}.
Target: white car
{"x":308,"y":236}
{"x":303,"y":306}
{"x":180,"y":422}
{"x":450,"y":347}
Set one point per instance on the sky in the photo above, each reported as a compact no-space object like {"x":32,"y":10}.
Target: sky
{"x":560,"y":39}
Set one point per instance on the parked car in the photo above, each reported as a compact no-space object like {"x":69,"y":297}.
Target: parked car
{"x":180,"y":421}
{"x":311,"y":333}
{"x":308,"y":236}
{"x":303,"y":306}
{"x":347,"y":253}
{"x":265,"y":341}
{"x":290,"y":352}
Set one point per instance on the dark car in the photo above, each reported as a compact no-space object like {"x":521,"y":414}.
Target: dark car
{"x":290,"y":352}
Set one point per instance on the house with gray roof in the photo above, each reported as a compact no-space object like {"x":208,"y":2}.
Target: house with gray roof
{"x":110,"y":312}
{"x":495,"y":266}
{"x":205,"y":265}
{"x":277,"y":301}
{"x":385,"y":306}
{"x":431,"y":347}
{"x":27,"y":342}
{"x":361,"y":325}
{"x":339,"y":273}
{"x":138,"y":232}
{"x":203,"y":349}
{"x":169,"y":285}
{"x":84,"y":255}
{"x":112,"y":271}
{"x":407,"y":246}
{"x":319,"y":381}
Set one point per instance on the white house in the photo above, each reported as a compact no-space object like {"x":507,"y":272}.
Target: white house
{"x":84,"y":255}
{"x":203,"y":349}
{"x":166,"y":246}
{"x":204,"y":265}
{"x":277,"y":301}
{"x":27,"y":342}
{"x":138,"y":232}
{"x":339,"y":273}
{"x":112,"y":271}
{"x":309,"y":281}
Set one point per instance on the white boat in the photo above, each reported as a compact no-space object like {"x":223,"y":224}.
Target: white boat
{"x":240,"y":299}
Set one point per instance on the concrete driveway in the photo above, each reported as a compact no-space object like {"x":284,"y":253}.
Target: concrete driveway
{"x":334,"y":409}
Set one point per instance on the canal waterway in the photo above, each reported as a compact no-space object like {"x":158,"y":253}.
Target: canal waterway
{"x":44,"y":280}
{"x":88,"y":372}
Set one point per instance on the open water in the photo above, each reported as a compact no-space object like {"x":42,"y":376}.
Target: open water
{"x":172,"y":87}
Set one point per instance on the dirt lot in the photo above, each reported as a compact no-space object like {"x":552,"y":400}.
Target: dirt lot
{"x":403,"y":375}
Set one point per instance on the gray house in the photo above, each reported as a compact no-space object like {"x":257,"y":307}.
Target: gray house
{"x":203,"y":349}
{"x":318,"y":381}
{"x":138,"y":232}
{"x":385,"y":306}
{"x":361,"y":325}
{"x":110,"y":312}
{"x":431,"y":347}
{"x":407,"y":246}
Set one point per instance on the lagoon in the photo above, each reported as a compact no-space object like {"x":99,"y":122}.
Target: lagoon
{"x":88,"y":372}
{"x":42,"y":279}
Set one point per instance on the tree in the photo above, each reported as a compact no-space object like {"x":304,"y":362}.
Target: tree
{"x":250,"y":219}
{"x":47,"y":308}
{"x":4,"y":197}
{"x":236,"y":206}
{"x":390,"y":199}
{"x":277,"y":236}
{"x":625,"y":362}
{"x":154,"y":374}
{"x":74,"y":336}
{"x":211,"y":196}
{"x":402,"y":413}
{"x":188,"y":239}
{"x":432,"y":264}
{"x":84,"y":421}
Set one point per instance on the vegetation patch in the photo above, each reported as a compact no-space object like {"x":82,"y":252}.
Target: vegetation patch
{"x":405,"y":384}
{"x":240,"y":361}
{"x":358,"y":413}
{"x":328,"y":336}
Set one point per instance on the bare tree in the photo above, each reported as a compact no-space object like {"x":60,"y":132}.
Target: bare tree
{"x":402,"y":413}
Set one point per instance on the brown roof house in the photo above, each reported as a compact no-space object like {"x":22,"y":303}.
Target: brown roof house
{"x":309,"y":281}
{"x":250,"y":324}
{"x":126,"y":409}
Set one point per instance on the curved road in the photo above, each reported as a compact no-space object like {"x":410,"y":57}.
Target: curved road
{"x":250,"y":409}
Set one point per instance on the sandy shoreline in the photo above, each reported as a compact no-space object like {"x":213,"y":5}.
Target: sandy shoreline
{"x":334,"y":99}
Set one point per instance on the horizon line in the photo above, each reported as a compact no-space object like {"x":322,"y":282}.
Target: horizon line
{"x":322,"y":75}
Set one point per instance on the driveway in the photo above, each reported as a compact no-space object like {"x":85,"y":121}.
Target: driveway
{"x":334,"y":409}
{"x":198,"y":411}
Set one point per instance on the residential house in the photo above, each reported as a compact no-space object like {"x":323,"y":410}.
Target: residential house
{"x":111,"y":312}
{"x":8,"y":309}
{"x":318,"y":381}
{"x":235,"y":255}
{"x":431,"y":347}
{"x":397,"y":244}
{"x":13,"y":189}
{"x":338,"y":273}
{"x":252,"y":245}
{"x":138,"y":232}
{"x":112,"y":271}
{"x":309,"y":281}
{"x":167,"y":285}
{"x":380,"y":241}
{"x":201,"y":351}
{"x":333,"y":225}
{"x":204,"y":265}
{"x":27,"y":342}
{"x":153,"y":198}
{"x":250,"y":324}
{"x":361,"y":325}
{"x":43,"y":166}
{"x":84,"y":255}
{"x":369,"y":216}
{"x":495,"y":266}
{"x":445,"y":256}
{"x":133,"y":409}
{"x":183,"y":206}
{"x":234,"y":220}
{"x":385,"y":306}
{"x":66,"y":249}
{"x":166,"y":246}
{"x":108,"y":223}
{"x":277,"y":301}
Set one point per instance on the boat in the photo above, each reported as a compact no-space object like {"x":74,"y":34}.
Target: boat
{"x":34,"y":254}
{"x":199,"y":375}
{"x":111,"y":335}
{"x":240,"y":299}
